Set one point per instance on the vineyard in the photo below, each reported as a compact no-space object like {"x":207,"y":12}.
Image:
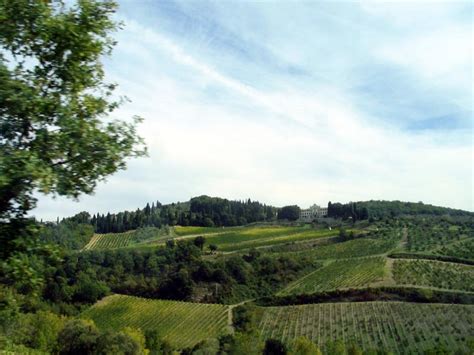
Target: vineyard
{"x":350,"y":249}
{"x":339,"y":274}
{"x":394,"y":326}
{"x":143,"y":236}
{"x":110,"y":241}
{"x":266,"y":236}
{"x":434,"y":274}
{"x":183,"y":324}
{"x":182,"y":231}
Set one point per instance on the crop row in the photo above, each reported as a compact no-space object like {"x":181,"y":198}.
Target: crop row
{"x":350,"y":249}
{"x":398,"y":327}
{"x":340,"y":274}
{"x":434,"y":274}
{"x":183,"y":324}
{"x":110,"y":240}
{"x":257,"y":237}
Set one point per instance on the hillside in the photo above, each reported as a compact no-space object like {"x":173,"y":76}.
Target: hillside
{"x":393,"y":285}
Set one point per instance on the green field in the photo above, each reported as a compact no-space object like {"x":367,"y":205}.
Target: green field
{"x":182,"y":231}
{"x":110,"y":241}
{"x":403,"y":328}
{"x":461,"y":249}
{"x":340,"y":274}
{"x":429,"y":236}
{"x":183,"y":324}
{"x":350,"y":249}
{"x":434,"y":274}
{"x":253,"y":237}
{"x":143,"y":237}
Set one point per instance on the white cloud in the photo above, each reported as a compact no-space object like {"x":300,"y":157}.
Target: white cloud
{"x":209,"y":133}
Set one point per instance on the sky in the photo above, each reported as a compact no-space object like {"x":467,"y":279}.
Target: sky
{"x":291,"y":102}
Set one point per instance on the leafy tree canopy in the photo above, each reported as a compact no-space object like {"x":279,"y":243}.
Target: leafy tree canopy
{"x":55,"y":135}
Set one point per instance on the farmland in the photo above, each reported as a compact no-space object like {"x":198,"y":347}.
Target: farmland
{"x":254,"y":237}
{"x":183,"y":324}
{"x":110,"y":241}
{"x":434,"y":274}
{"x":394,"y":326}
{"x":141,"y":237}
{"x":350,"y":249}
{"x":344,"y":273}
{"x":437,"y":236}
{"x":182,"y":231}
{"x":461,"y":249}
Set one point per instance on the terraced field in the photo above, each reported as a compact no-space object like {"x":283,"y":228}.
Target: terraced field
{"x":183,"y":324}
{"x":402,"y":328}
{"x":434,"y":274}
{"x":340,"y":274}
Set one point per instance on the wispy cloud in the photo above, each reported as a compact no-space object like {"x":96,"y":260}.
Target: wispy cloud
{"x":345,"y":102}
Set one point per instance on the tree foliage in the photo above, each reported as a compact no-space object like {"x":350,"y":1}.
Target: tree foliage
{"x":55,"y":137}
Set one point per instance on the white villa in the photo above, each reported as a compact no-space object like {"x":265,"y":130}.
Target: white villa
{"x":313,"y":212}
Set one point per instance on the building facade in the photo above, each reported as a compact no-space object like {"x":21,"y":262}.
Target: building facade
{"x":313,"y":212}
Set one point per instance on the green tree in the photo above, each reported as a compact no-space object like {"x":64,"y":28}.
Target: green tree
{"x":78,"y":337}
{"x":291,"y":213}
{"x":199,"y":242}
{"x":274,"y":347}
{"x":53,"y":102}
{"x":304,"y":346}
{"x":212,"y":248}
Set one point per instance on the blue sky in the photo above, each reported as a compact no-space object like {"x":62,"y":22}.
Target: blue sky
{"x":293,"y":102}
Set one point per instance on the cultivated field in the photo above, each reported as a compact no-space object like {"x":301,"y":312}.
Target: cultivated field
{"x":434,"y":274}
{"x":340,"y":274}
{"x":143,"y":237}
{"x":461,"y":249}
{"x":110,"y":241}
{"x":395,"y":326}
{"x":433,"y":237}
{"x":183,"y":324}
{"x":253,"y":237}
{"x":350,"y":249}
{"x":182,"y":231}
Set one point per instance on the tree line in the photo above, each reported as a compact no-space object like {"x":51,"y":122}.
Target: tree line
{"x":202,"y":211}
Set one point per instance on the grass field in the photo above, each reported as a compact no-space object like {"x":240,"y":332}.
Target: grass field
{"x":434,"y":274}
{"x":340,"y":274}
{"x":183,"y":324}
{"x":403,"y":328}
